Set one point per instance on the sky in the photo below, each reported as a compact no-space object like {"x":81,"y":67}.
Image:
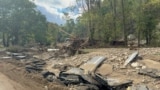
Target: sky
{"x":53,"y":9}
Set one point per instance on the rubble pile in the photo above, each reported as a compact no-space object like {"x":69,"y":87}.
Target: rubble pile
{"x":31,"y":63}
{"x":123,"y":69}
{"x":100,"y":69}
{"x":35,"y":65}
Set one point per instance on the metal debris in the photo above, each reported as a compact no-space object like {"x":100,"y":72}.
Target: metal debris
{"x":131,"y":58}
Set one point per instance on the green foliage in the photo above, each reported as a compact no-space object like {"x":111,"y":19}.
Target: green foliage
{"x":108,"y":20}
{"x":21,"y":23}
{"x":103,"y":20}
{"x":52,"y":33}
{"x":151,"y":19}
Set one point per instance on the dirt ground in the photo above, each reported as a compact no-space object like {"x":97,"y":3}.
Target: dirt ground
{"x":112,"y":67}
{"x":14,"y":77}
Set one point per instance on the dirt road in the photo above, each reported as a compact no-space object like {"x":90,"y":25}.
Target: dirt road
{"x":14,"y":78}
{"x":8,"y":84}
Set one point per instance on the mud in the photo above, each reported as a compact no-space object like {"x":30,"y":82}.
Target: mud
{"x":13,"y":75}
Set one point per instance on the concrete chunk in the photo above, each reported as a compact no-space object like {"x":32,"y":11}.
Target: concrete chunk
{"x":91,"y":65}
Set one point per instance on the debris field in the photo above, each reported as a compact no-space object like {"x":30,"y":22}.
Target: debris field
{"x":97,"y":69}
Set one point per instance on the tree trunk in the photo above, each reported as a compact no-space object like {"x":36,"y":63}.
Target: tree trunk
{"x":150,"y":37}
{"x":139,"y":21}
{"x":124,"y":26}
{"x":90,"y":23}
{"x":16,"y":39}
{"x":147,"y":39}
{"x":4,"y":40}
{"x":7,"y":42}
{"x":113,"y":9}
{"x":114,"y":19}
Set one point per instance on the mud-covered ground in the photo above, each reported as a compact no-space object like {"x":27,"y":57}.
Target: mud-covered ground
{"x":13,"y":75}
{"x":14,"y":78}
{"x":113,"y":66}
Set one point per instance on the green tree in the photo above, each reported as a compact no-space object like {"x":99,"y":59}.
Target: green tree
{"x":151,"y":19}
{"x":108,"y":20}
{"x":21,"y":21}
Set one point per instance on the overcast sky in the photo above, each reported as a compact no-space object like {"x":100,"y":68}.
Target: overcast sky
{"x":53,"y":9}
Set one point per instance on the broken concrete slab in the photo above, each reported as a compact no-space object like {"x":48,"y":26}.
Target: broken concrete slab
{"x":83,"y":74}
{"x":91,"y":65}
{"x":112,"y":83}
{"x":150,"y":72}
{"x":105,"y":69}
{"x":79,"y":75}
{"x":90,"y":79}
{"x":73,"y":79}
{"x":70,"y":78}
{"x":76,"y":71}
{"x":131,"y":58}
